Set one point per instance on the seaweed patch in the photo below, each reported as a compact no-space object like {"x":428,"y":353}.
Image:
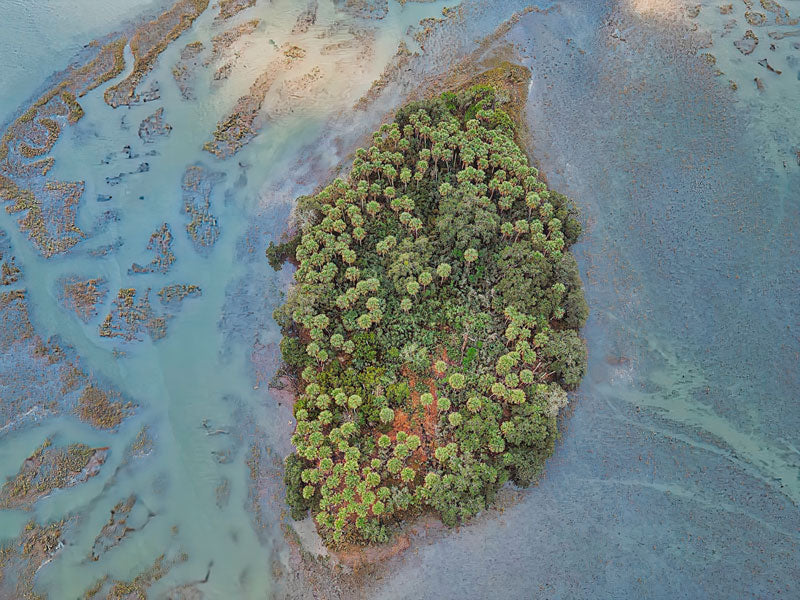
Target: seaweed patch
{"x":148,"y":42}
{"x":101,"y":408}
{"x":50,"y":212}
{"x":154,"y":127}
{"x":131,"y":317}
{"x":50,"y":206}
{"x":48,"y":469}
{"x":10,"y":273}
{"x":224,"y":40}
{"x":127,"y":516}
{"x":40,"y":378}
{"x":176,"y":293}
{"x":82,"y":296}
{"x":161,"y":244}
{"x":229,"y":8}
{"x":222,"y":493}
{"x":198,"y":186}
{"x":364,"y":9}
{"x":116,"y":589}
{"x":22,"y":557}
{"x":306,"y":19}
{"x":59,"y":104}
{"x":241,"y":125}
{"x":749,"y":39}
{"x":183,"y":71}
{"x":142,"y":445}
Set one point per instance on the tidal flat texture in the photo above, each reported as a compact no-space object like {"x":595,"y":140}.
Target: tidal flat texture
{"x":151,"y":150}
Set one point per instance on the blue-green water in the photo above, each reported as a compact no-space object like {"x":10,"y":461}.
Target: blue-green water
{"x":679,"y":470}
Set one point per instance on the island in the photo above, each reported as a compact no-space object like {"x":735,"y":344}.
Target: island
{"x":431,"y":333}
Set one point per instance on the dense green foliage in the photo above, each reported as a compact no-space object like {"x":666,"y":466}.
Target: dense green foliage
{"x":432,"y":330}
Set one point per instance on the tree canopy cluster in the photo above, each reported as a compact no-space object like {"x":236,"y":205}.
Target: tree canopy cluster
{"x":432,"y":331}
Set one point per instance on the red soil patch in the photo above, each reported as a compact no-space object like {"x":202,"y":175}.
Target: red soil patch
{"x":424,"y":420}
{"x":401,"y":423}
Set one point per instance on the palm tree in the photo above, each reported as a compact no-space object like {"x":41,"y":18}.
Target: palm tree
{"x":470,"y":255}
{"x":425,"y":279}
{"x":405,"y":176}
{"x":443,"y":271}
{"x":520,"y":226}
{"x":390,"y":172}
{"x":415,"y":225}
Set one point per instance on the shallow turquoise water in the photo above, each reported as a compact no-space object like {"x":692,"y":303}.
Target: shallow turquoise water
{"x":679,"y":472}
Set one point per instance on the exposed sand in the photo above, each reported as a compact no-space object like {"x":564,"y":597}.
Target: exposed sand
{"x":669,"y":9}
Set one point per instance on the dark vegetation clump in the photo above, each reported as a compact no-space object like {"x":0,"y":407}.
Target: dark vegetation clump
{"x":432,"y":331}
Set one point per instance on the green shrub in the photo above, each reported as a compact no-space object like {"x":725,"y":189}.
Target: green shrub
{"x":437,"y":269}
{"x":299,"y":504}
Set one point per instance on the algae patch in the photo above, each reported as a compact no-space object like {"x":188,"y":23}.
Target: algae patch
{"x":48,"y":469}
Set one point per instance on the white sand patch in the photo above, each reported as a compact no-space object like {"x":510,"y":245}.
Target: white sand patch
{"x":666,"y":9}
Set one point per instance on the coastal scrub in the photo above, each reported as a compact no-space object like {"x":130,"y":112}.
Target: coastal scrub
{"x":432,"y":331}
